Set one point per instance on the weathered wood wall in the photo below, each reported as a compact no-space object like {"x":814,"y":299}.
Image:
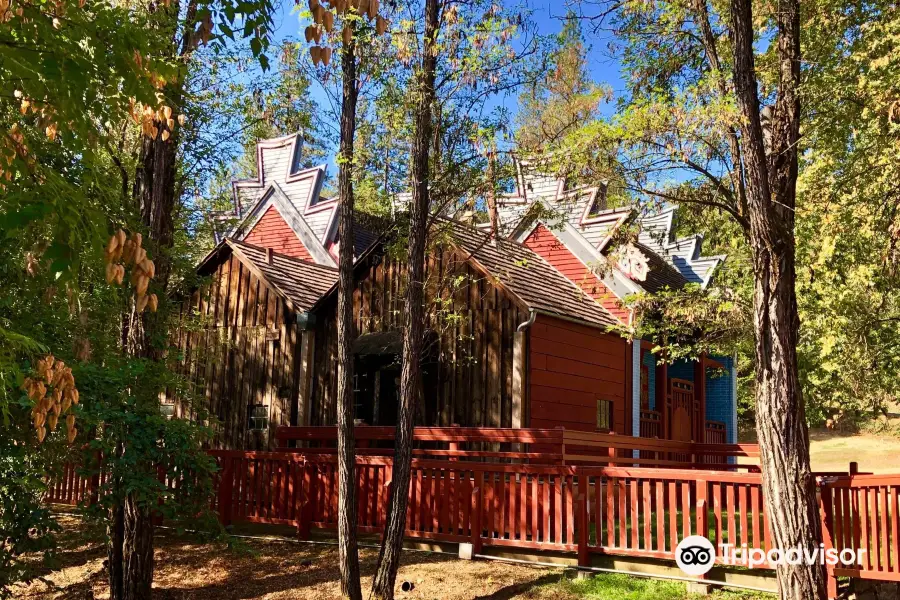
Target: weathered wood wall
{"x":573,"y":366}
{"x":473,"y":318}
{"x":238,"y":345}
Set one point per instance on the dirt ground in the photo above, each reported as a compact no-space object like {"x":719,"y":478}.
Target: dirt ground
{"x":187,"y":568}
{"x":280,"y":569}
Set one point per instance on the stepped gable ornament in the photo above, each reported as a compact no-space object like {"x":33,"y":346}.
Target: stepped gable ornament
{"x":633,"y":263}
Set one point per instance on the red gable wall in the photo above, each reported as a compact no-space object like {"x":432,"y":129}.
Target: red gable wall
{"x":272,"y":231}
{"x":573,"y":366}
{"x":543,"y":242}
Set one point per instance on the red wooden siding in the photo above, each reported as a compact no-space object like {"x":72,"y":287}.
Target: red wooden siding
{"x":572,"y":367}
{"x":543,"y":242}
{"x":272,"y":231}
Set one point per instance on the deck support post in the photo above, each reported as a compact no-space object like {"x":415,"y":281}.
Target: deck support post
{"x":304,"y":511}
{"x":582,"y":523}
{"x":703,"y":520}
{"x":824,"y":493}
{"x":700,"y":393}
{"x":305,"y":376}
{"x":476,"y":516}
{"x":662,"y":398}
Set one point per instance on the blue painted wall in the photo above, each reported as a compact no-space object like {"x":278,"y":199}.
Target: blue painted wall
{"x":682,"y":369}
{"x":720,"y":397}
{"x":721,"y":391}
{"x":649,"y":360}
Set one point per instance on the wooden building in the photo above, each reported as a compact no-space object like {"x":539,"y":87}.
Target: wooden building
{"x":523,"y":327}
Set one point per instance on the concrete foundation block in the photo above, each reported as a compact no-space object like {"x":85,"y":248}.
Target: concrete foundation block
{"x":585,"y":575}
{"x":699,"y":589}
{"x":466,"y":551}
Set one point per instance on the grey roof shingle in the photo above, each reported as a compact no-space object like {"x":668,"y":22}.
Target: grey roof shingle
{"x":527,"y":275}
{"x":660,"y":273}
{"x":300,"y":282}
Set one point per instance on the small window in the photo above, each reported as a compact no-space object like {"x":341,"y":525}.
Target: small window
{"x":258,"y":417}
{"x":604,"y":415}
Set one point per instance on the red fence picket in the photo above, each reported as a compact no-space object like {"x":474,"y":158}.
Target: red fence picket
{"x":636,"y":512}
{"x":861,"y":512}
{"x":617,"y":509}
{"x":72,"y":487}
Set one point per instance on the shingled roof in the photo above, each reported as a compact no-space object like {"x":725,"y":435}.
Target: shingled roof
{"x":300,"y":282}
{"x":528,"y":276}
{"x":660,"y":274}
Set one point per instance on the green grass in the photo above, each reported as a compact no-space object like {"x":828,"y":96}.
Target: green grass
{"x":624,"y":587}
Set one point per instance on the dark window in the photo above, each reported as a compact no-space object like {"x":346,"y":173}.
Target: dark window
{"x":604,"y":415}
{"x":257,"y":417}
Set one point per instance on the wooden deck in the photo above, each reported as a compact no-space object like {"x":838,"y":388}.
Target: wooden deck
{"x":588,"y":495}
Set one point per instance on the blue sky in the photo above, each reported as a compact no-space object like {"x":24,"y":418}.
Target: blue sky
{"x":548,"y":14}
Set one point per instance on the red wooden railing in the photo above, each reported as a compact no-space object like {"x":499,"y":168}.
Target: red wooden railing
{"x":70,"y":488}
{"x":716,"y":432}
{"x":534,"y":446}
{"x":651,"y":424}
{"x":618,"y":509}
{"x":635,"y":512}
{"x":862,"y":512}
{"x":646,"y":512}
{"x":592,"y":448}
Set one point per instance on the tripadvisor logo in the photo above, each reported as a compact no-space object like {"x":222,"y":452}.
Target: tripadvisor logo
{"x":695,"y":555}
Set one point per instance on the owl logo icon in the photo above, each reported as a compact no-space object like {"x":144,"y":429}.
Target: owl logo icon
{"x":695,"y":555}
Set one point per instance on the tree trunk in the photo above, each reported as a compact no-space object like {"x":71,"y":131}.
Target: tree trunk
{"x":414,"y":316}
{"x":137,"y":550}
{"x":154,"y":192}
{"x":788,"y":484}
{"x":348,"y":552}
{"x":115,"y":531}
{"x":155,"y":196}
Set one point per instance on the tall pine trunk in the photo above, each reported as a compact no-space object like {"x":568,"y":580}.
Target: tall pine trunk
{"x":155,"y":198}
{"x":154,"y":192}
{"x":115,"y":532}
{"x":414,"y":315}
{"x":771,"y":171}
{"x":137,"y":550}
{"x":348,"y":552}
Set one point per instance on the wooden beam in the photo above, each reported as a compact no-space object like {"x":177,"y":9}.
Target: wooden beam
{"x":712,"y":363}
{"x":700,"y":393}
{"x":629,"y":394}
{"x":305,"y":378}
{"x":662,"y":393}
{"x":518,"y":379}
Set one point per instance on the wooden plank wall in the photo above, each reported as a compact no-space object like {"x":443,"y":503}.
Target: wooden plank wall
{"x":573,"y":366}
{"x":238,"y":344}
{"x":474,"y":321}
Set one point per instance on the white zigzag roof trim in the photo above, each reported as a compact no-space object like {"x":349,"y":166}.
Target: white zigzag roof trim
{"x":312,"y":217}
